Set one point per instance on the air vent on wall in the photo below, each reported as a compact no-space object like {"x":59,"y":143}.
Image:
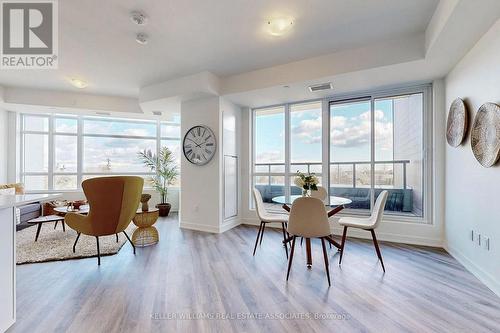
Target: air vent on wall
{"x":321,"y":86}
{"x":157,"y":113}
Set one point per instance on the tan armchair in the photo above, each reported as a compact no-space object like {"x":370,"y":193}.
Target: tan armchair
{"x":113,"y":202}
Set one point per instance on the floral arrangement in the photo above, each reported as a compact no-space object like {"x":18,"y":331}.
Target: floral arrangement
{"x":307,"y":182}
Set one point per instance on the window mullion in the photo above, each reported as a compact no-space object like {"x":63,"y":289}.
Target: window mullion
{"x":79,"y":153}
{"x":372,"y":152}
{"x":51,"y":152}
{"x":287,"y":152}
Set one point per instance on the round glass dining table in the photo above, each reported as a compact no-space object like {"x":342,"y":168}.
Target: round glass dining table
{"x":334,"y":201}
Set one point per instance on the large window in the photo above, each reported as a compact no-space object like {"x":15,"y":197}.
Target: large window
{"x":59,"y":151}
{"x":359,"y":146}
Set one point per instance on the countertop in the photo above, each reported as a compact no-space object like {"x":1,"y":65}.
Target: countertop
{"x":8,"y":201}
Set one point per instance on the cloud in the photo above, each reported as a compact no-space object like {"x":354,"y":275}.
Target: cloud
{"x":308,"y":130}
{"x":270,"y":156}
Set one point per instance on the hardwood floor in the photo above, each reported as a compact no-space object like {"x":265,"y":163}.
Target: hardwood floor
{"x":189,"y":273}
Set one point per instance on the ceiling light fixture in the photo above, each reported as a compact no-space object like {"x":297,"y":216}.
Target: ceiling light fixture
{"x":279,"y":26}
{"x":138,"y":18}
{"x":77,"y":83}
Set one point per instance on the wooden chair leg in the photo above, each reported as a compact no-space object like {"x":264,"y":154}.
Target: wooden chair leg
{"x":284,"y":239}
{"x":116,"y":238}
{"x":325,"y":255}
{"x":291,"y":258}
{"x":257,"y":240}
{"x":344,"y":237}
{"x":55,"y":225}
{"x":262,"y":233}
{"x":76,"y":241}
{"x":379,"y":255}
{"x":64,"y":226}
{"x":98,"y":252}
{"x":131,"y":243}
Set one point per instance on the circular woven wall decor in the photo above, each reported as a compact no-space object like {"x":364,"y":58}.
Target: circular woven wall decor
{"x":485,"y":135}
{"x":457,"y":123}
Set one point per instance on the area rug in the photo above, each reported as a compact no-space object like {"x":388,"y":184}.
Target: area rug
{"x":53,"y":245}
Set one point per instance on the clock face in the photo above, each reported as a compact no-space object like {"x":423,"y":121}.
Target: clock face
{"x":199,"y":145}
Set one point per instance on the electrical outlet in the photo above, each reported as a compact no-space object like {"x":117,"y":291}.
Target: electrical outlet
{"x":486,"y":243}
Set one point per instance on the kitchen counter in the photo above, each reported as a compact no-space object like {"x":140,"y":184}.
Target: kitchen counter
{"x":8,"y":203}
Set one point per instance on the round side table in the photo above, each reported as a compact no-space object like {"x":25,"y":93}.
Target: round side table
{"x":145,"y":234}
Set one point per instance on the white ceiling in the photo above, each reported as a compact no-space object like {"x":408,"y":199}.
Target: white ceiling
{"x":225,"y":37}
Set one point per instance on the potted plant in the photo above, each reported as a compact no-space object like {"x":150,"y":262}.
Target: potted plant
{"x":165,"y":169}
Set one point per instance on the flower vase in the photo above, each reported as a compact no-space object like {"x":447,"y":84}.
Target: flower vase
{"x":306,"y":193}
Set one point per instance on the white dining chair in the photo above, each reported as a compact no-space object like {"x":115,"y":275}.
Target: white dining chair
{"x":320,"y":194}
{"x":266,"y":217}
{"x":366,"y":223}
{"x":308,"y":219}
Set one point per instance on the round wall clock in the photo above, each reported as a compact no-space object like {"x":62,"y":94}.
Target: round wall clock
{"x":456,"y":126}
{"x":485,"y":135}
{"x":199,"y":145}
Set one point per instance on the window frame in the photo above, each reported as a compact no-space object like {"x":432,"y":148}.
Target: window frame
{"x":80,"y":174}
{"x":427,"y":137}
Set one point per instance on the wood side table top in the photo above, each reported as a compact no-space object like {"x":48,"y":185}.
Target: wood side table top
{"x":151,"y":210}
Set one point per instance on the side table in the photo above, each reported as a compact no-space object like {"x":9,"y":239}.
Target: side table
{"x":145,"y":234}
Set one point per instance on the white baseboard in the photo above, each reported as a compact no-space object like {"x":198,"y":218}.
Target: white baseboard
{"x":390,"y":237}
{"x":382,"y":236}
{"x":228,"y":224}
{"x":490,"y":282}
{"x":199,"y":227}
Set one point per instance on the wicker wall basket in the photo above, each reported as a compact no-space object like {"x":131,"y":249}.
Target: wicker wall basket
{"x":485,"y":134}
{"x":458,"y":121}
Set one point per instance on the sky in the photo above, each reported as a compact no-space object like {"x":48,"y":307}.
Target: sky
{"x":349,"y":134}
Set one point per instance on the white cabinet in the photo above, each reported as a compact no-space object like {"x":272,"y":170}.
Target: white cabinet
{"x":7,"y":268}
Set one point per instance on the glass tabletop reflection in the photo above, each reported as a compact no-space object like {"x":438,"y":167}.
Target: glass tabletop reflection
{"x":334,"y":201}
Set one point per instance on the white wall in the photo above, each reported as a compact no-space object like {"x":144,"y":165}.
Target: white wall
{"x":200,"y":185}
{"x":472,"y":191}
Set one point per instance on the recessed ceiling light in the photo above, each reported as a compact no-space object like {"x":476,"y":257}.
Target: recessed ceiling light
{"x":141,"y":38}
{"x":138,"y":18}
{"x":79,"y":83}
{"x":279,"y":26}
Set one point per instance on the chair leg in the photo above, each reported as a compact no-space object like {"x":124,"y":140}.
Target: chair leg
{"x":344,"y":237}
{"x":262,"y":233}
{"x":284,"y":239}
{"x":55,"y":225}
{"x":133,"y":246}
{"x":291,"y":258}
{"x":76,"y":241}
{"x":257,"y":240}
{"x":98,"y":251}
{"x":377,"y":248}
{"x":301,"y":240}
{"x":325,"y":255}
{"x":64,"y":226}
{"x":116,"y":238}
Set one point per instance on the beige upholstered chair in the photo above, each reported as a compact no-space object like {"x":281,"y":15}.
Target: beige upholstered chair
{"x":308,"y":219}
{"x":320,"y":194}
{"x":366,"y":223}
{"x":265,"y":218}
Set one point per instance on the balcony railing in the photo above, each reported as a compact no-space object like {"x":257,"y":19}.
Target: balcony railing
{"x":352,"y":164}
